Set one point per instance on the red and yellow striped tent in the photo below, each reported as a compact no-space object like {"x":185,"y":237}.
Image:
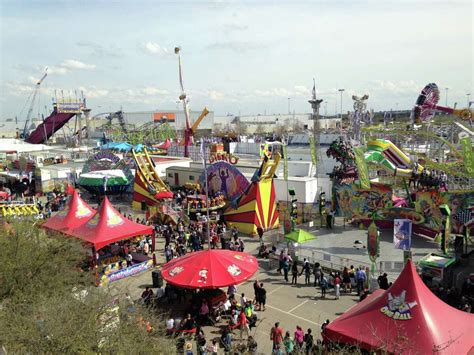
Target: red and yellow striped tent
{"x":257,"y":207}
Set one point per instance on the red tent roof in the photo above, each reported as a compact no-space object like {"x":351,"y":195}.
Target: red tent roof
{"x":109,"y":226}
{"x":76,"y":213}
{"x":212,"y":268}
{"x":407,"y":318}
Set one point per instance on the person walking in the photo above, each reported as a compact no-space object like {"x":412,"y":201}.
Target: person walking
{"x":324,"y":285}
{"x":276,"y":336}
{"x":307,"y":272}
{"x":294,"y":273}
{"x":337,"y":285}
{"x":286,"y":266}
{"x":243,"y":324}
{"x":383,"y":281}
{"x":309,"y":342}
{"x":256,"y":286}
{"x":289,"y":343}
{"x":262,"y":297}
{"x":280,"y":261}
{"x":360,"y":280}
{"x":346,"y":280}
{"x":317,"y":271}
{"x":299,"y":338}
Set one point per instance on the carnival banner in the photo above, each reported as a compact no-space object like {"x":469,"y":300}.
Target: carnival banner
{"x":362,"y":168}
{"x":123,"y":273}
{"x":466,"y":148}
{"x":285,"y":163}
{"x":373,"y":242}
{"x":312,"y":147}
{"x":69,"y":106}
{"x":402,"y":229}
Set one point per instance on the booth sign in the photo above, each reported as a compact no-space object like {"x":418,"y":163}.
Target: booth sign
{"x":129,"y":271}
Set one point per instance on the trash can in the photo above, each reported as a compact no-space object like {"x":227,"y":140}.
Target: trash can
{"x":157,"y":278}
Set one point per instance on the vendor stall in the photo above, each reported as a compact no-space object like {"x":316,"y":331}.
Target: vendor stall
{"x":436,"y":269}
{"x":120,"y":247}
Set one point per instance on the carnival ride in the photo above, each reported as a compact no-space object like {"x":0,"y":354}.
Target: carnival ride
{"x":148,"y":187}
{"x":63,"y":111}
{"x":106,"y":173}
{"x":257,"y":205}
{"x":391,"y":158}
{"x":189,"y":130}
{"x":429,"y":156}
{"x":20,"y":209}
{"x":427,"y":104}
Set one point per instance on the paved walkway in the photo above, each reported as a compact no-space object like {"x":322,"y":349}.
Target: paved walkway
{"x":289,"y":304}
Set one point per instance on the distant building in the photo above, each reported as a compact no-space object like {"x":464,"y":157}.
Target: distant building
{"x":175,"y":117}
{"x":268,"y":123}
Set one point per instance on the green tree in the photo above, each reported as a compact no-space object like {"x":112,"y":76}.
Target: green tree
{"x":48,"y":305}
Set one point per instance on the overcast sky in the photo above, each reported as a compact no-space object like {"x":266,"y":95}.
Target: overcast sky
{"x":246,"y":57}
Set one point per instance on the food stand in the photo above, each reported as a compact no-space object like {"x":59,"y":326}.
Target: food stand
{"x":436,"y":269}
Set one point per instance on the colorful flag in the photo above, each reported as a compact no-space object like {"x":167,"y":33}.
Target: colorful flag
{"x":373,"y":241}
{"x":362,"y":168}
{"x":203,"y":155}
{"x":285,"y":163}
{"x":402,"y":229}
{"x":466,"y":148}
{"x":312,"y":146}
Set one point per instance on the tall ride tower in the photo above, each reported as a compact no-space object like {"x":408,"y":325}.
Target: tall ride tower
{"x":315,"y":140}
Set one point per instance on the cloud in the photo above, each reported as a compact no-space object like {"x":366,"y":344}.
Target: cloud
{"x":154,"y":48}
{"x":402,"y":87}
{"x":154,"y":91}
{"x":234,"y":26}
{"x":67,"y":66}
{"x":57,"y":70}
{"x":237,"y":46}
{"x":99,"y":50}
{"x":71,"y":64}
{"x":93,"y":92}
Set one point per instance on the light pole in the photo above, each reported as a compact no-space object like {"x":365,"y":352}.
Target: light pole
{"x":467,"y":95}
{"x":289,"y":112}
{"x":446,"y":101}
{"x":341,"y":91}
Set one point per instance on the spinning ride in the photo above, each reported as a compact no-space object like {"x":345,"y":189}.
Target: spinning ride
{"x":427,"y":104}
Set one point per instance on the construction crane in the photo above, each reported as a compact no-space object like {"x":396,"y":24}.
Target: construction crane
{"x":30,"y":110}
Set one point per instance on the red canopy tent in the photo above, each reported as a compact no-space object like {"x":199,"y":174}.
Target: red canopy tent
{"x":109,"y":226}
{"x":76,"y":213}
{"x":213,"y":268}
{"x":407,"y":318}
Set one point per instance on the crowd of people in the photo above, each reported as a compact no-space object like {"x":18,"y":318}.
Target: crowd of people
{"x":182,"y":238}
{"x":346,"y":280}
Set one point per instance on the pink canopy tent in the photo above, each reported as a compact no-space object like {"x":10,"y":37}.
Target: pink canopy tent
{"x":76,"y":213}
{"x":109,"y":226}
{"x":407,"y":318}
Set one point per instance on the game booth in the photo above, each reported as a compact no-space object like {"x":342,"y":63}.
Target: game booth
{"x":437,"y":269}
{"x":118,"y":247}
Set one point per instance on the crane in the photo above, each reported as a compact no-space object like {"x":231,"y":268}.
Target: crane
{"x":30,"y":110}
